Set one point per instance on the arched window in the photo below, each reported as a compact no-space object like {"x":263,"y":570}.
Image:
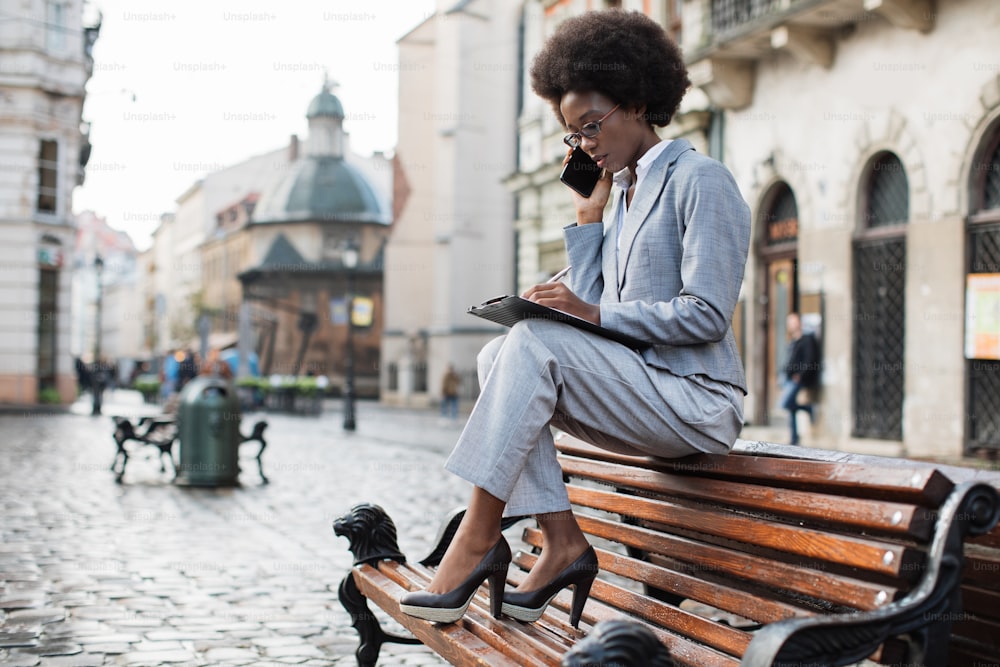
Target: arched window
{"x":781,"y":216}
{"x":880,"y":299}
{"x":986,"y":179}
{"x":887,"y":194}
{"x":983,"y":368}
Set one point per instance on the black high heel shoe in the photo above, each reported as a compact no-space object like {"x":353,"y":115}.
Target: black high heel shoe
{"x":449,"y":607}
{"x":531,"y":605}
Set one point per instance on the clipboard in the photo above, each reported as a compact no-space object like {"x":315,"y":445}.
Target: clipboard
{"x":509,"y":310}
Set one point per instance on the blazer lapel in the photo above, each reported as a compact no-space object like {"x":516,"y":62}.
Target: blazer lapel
{"x":609,"y":263}
{"x":644,"y":202}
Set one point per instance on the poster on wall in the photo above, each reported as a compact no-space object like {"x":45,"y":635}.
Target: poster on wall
{"x":982,"y":316}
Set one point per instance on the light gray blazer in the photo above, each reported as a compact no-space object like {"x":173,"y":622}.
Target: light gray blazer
{"x":677,"y":277}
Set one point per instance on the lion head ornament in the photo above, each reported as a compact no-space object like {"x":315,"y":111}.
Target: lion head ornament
{"x":618,"y":643}
{"x":371,"y":533}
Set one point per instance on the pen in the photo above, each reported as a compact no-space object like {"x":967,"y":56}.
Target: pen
{"x":558,"y":276}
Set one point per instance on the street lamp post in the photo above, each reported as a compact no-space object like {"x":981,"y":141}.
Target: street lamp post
{"x":97,"y":377}
{"x":350,"y":259}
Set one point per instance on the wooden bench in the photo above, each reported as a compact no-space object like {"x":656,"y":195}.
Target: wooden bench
{"x":160,"y":431}
{"x":770,"y":555}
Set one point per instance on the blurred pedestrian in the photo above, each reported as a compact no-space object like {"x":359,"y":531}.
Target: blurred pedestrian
{"x":801,"y":374}
{"x":214,"y":366}
{"x":449,"y":393}
{"x":187,"y":370}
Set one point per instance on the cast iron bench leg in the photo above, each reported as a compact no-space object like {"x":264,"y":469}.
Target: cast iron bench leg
{"x":258,"y":435}
{"x":366,"y":623}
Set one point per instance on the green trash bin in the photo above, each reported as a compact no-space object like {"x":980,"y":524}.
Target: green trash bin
{"x":208,"y":424}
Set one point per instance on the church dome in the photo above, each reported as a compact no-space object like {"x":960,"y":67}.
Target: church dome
{"x":325,"y":104}
{"x":321,"y":188}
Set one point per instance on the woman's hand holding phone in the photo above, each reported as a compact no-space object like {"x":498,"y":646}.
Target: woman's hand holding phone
{"x":588,"y":208}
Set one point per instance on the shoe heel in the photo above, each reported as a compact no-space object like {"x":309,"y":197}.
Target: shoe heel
{"x":581,"y":591}
{"x":498,"y":581}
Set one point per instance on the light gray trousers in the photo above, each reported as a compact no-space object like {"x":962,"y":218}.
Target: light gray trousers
{"x":545,"y":375}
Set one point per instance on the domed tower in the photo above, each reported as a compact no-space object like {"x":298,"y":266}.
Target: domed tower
{"x":326,"y":124}
{"x":326,"y":184}
{"x":322,"y":203}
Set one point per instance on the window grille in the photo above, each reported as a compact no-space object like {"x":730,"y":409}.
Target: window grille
{"x":983,"y":415}
{"x":990,"y":174}
{"x":888,"y":192}
{"x":730,"y":14}
{"x":880,"y":303}
{"x":879,"y":330}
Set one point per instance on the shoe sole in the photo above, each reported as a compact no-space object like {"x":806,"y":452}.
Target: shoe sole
{"x":435,"y":614}
{"x":525,"y":614}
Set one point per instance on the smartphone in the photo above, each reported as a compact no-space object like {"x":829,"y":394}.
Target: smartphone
{"x":581,"y":173}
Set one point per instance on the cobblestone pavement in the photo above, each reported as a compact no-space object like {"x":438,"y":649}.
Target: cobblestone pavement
{"x":93,"y":573}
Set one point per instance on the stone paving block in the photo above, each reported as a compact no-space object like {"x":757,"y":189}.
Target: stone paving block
{"x":181,"y":635}
{"x":112,"y":638}
{"x":18,"y":659}
{"x":14,"y":638}
{"x":111,"y":649}
{"x":290,"y":659}
{"x":48,"y":648}
{"x":75,"y":628}
{"x":20,"y":602}
{"x":216,"y":655}
{"x":154,"y":658}
{"x":81,"y":660}
{"x":275,"y":641}
{"x":31,"y":616}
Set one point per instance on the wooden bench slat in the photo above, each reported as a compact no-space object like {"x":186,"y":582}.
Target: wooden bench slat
{"x":980,"y":630}
{"x":726,"y":562}
{"x":982,"y":567}
{"x":847,"y":474}
{"x":450,"y":640}
{"x":684,"y":651}
{"x":726,"y":598}
{"x":865,"y":514}
{"x":990,"y":539}
{"x":879,"y":557}
{"x":966,"y":655}
{"x":666,"y":616}
{"x":722,"y":596}
{"x":981,"y":601}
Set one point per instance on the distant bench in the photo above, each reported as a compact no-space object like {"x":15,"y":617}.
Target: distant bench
{"x":770,"y":555}
{"x":160,"y":431}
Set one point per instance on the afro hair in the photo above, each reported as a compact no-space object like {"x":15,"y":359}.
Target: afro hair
{"x":626,"y":56}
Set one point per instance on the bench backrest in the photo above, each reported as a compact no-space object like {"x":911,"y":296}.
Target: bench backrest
{"x":745,"y":540}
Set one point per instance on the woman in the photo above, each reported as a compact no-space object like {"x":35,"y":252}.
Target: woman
{"x":665,"y":266}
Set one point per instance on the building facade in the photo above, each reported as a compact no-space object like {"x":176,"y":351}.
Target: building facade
{"x":452,"y":239}
{"x":867,"y":149}
{"x":866,"y":144}
{"x":105,"y":271}
{"x":45,"y":62}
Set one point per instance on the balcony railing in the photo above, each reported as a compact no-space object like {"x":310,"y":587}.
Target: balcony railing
{"x":730,"y":14}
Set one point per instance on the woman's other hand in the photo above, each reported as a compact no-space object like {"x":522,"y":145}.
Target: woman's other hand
{"x":560,"y":297}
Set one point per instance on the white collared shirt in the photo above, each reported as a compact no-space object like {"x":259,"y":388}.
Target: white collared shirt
{"x":623,"y":179}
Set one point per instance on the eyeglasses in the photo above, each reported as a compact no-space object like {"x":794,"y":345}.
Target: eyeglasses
{"x":589,"y":130}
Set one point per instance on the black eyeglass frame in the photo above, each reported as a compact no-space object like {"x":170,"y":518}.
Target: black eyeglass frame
{"x":589,"y":130}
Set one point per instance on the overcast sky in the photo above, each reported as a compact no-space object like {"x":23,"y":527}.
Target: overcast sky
{"x":186,"y":87}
